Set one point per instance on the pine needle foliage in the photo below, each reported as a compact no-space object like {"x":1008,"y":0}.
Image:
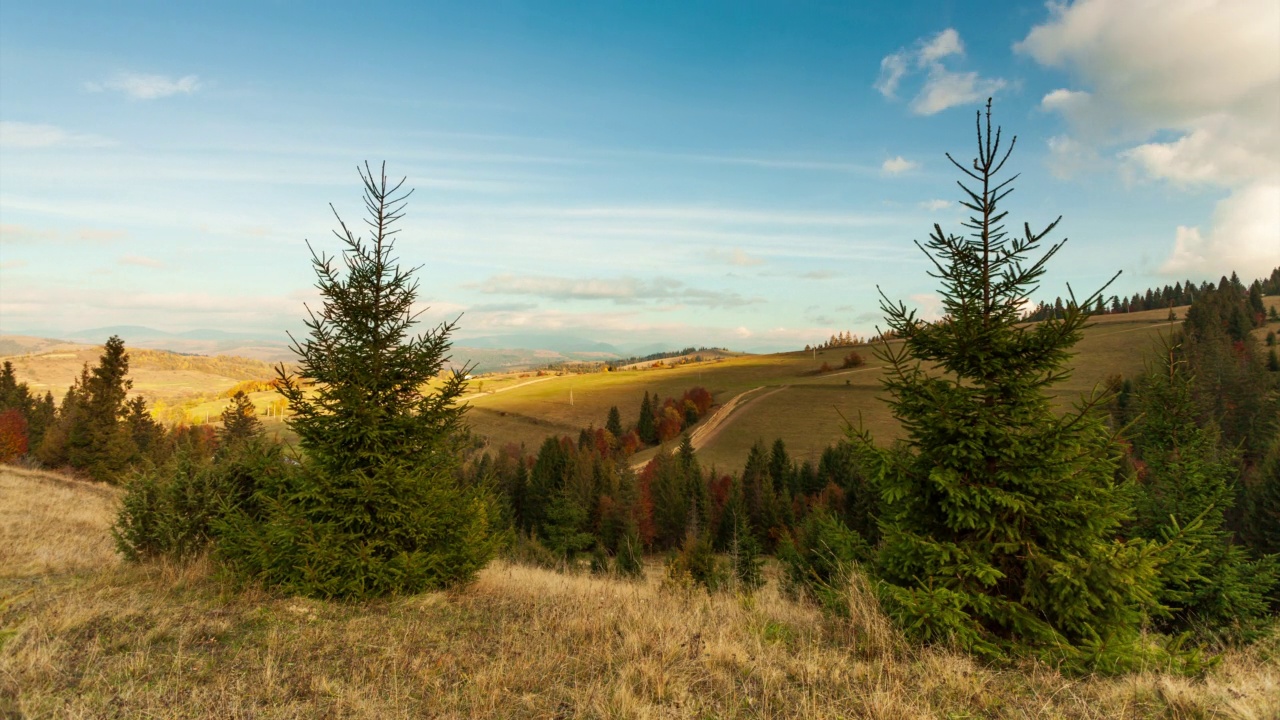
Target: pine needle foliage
{"x":375,"y":508}
{"x":1187,"y":485}
{"x":1000,"y":516}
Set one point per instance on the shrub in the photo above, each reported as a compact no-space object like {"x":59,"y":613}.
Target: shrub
{"x":820,"y":561}
{"x":629,"y":561}
{"x":174,"y":509}
{"x":853,"y":360}
{"x":695,"y":564}
{"x":528,"y":550}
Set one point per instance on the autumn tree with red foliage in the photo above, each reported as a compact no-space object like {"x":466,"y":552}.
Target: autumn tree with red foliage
{"x":13,"y":435}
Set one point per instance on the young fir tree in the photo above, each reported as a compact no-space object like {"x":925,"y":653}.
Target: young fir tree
{"x":614,"y":423}
{"x":1187,"y":483}
{"x":1262,"y":505}
{"x":1001,"y":516}
{"x":239,"y":421}
{"x":376,"y":507}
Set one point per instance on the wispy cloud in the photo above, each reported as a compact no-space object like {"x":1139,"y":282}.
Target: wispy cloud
{"x":22,"y":135}
{"x":140,"y":261}
{"x":736,"y":257}
{"x":25,"y":235}
{"x":621,"y":290}
{"x":141,"y":86}
{"x":943,"y":87}
{"x":936,"y":204}
{"x":897,"y":165}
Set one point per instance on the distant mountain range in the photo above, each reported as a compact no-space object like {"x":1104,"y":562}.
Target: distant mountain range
{"x":487,"y":354}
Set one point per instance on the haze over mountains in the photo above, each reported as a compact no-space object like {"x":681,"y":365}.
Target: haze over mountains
{"x":489,"y":353}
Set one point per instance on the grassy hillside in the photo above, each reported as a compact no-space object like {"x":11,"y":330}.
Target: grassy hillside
{"x":87,"y":636}
{"x":786,"y":398}
{"x":156,"y":374}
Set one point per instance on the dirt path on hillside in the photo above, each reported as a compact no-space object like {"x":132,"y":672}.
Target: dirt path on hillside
{"x":509,"y":387}
{"x":711,"y":427}
{"x":708,"y":432}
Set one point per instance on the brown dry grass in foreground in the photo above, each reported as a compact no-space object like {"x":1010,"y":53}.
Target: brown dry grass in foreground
{"x":173,"y":641}
{"x":53,"y":524}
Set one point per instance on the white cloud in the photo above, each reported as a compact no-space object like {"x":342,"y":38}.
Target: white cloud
{"x":1068,"y":157}
{"x":928,"y":306}
{"x":943,"y":87}
{"x":1245,"y":236}
{"x":936,"y":205}
{"x":892,"y":69}
{"x":943,"y":44}
{"x":897,"y":165}
{"x":1151,"y":72}
{"x":147,"y":87}
{"x":1213,"y":153}
{"x":1063,"y":99}
{"x":21,"y":135}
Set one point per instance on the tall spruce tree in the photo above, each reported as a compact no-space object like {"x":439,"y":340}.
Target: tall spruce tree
{"x":1000,"y":515}
{"x":376,"y":507}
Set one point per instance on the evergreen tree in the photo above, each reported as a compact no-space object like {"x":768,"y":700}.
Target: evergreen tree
{"x":376,"y":507}
{"x":148,"y":435}
{"x":758,"y":495}
{"x":1256,"y":308}
{"x":671,"y":507}
{"x":89,"y":433}
{"x":614,"y":423}
{"x":1262,"y":504}
{"x":1187,"y":485}
{"x":646,"y":428}
{"x":239,"y":421}
{"x":1000,"y":516}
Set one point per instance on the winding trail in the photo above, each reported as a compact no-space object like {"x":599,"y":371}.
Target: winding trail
{"x":711,"y":427}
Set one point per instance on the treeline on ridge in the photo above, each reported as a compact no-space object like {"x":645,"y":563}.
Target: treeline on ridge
{"x":1178,"y":295}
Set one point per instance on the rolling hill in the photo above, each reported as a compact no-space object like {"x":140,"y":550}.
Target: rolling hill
{"x":758,"y":397}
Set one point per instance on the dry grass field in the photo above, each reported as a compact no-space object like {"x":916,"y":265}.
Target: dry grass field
{"x":88,"y":637}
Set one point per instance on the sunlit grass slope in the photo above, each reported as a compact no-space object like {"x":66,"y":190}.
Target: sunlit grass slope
{"x":806,"y":410}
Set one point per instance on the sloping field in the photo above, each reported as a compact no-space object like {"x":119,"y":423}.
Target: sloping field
{"x":805,"y":409}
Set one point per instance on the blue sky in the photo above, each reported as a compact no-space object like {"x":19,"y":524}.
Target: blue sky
{"x":739,"y":174}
